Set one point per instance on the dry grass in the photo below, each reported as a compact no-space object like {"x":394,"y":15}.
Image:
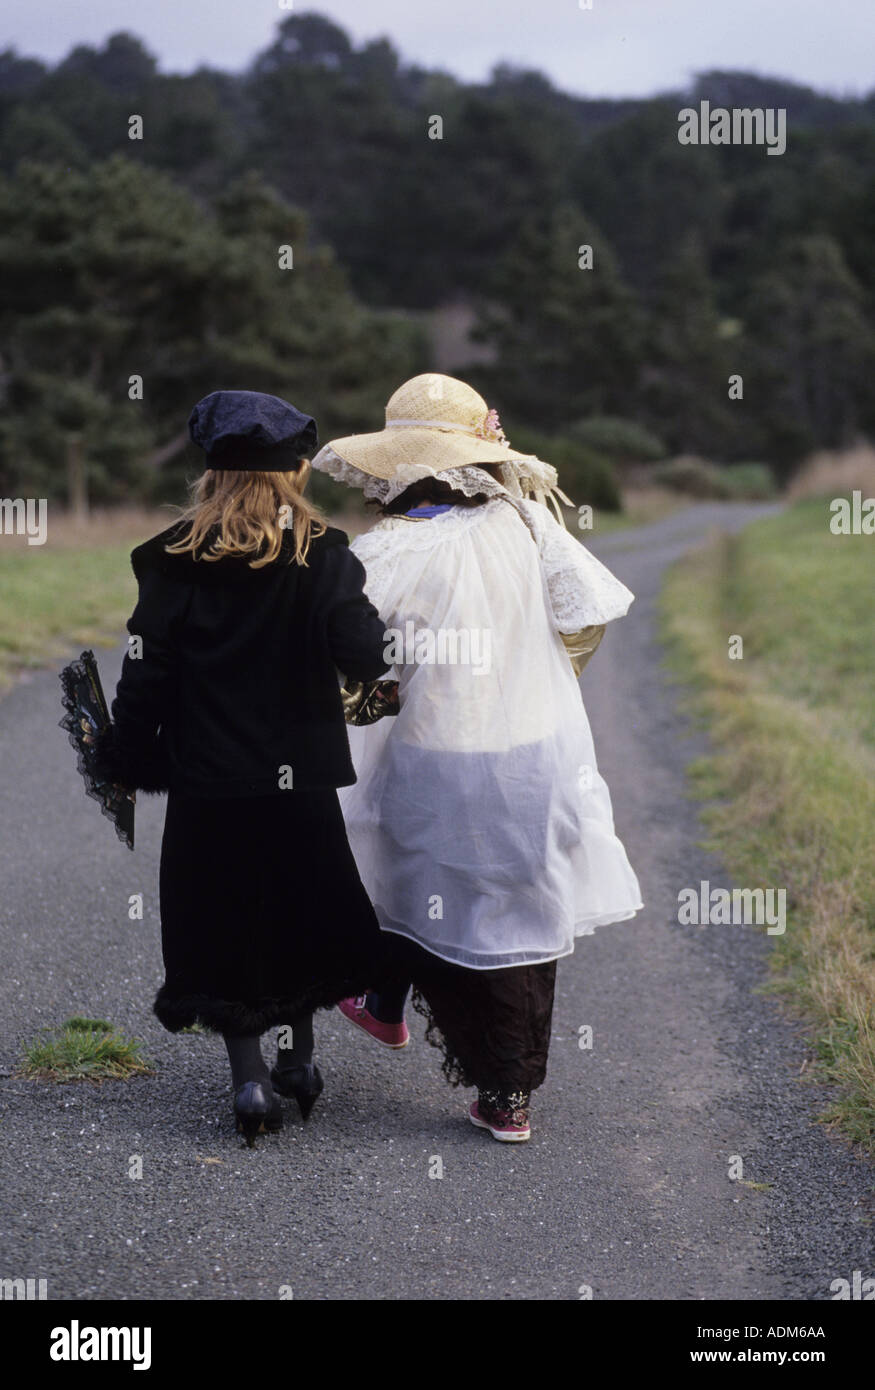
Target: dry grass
{"x":827,"y":474}
{"x":104,"y":527}
{"x":645,"y":504}
{"x":641,"y":506}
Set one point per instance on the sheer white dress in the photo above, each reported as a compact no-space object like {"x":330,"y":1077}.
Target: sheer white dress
{"x":479,"y":821}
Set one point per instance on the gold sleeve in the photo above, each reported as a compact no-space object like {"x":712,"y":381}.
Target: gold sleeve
{"x":581,"y":645}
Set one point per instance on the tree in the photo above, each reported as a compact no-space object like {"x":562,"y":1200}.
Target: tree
{"x":33,"y":134}
{"x":19,"y":76}
{"x":123,"y":65}
{"x":812,"y":349}
{"x":690,"y":351}
{"x":119,"y":274}
{"x":647,"y":192}
{"x":307,"y":40}
{"x":566,"y":338}
{"x":698,"y":273}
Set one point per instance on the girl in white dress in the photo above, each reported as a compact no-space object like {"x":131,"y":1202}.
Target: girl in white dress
{"x":481,"y":827}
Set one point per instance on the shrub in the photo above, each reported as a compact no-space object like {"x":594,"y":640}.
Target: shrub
{"x":751,"y":481}
{"x":585,"y":475}
{"x":624,"y":441}
{"x":692,"y":476}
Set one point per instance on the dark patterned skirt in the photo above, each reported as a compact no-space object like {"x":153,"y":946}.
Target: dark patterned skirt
{"x":263,"y":913}
{"x":492,"y":1026}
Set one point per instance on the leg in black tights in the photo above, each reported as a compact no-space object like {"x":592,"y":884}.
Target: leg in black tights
{"x":295,"y":1050}
{"x":247,"y":1063}
{"x":295,"y":1073}
{"x":388,"y":1004}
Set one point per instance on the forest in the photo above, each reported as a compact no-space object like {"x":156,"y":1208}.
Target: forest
{"x":302,"y":226}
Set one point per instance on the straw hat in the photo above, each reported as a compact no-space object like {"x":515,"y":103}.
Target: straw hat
{"x":434,"y":421}
{"x":436,"y":425}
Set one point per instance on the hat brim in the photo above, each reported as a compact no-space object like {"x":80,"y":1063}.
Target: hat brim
{"x":384,"y":452}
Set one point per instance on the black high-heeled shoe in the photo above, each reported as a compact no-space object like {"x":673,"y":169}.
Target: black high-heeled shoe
{"x":304,"y":1083}
{"x":257,"y":1111}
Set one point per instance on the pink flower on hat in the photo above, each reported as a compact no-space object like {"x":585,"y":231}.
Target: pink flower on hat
{"x":491,"y":430}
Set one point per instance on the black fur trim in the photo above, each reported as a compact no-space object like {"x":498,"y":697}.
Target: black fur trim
{"x":239,"y":1020}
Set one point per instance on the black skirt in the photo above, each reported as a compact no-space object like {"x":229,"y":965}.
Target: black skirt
{"x":263,"y":913}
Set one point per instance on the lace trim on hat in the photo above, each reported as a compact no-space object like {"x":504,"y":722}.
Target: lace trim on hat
{"x":468,"y":480}
{"x":517,"y":478}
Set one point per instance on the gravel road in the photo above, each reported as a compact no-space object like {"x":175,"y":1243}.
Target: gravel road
{"x":624,"y":1187}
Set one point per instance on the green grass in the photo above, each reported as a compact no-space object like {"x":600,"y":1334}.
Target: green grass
{"x":790,"y":790}
{"x":83,"y":1049}
{"x":55,"y":599}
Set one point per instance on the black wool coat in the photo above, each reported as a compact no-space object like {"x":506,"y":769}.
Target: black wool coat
{"x":238,"y":677}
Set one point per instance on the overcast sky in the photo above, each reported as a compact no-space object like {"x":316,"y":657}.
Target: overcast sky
{"x":616,"y":48}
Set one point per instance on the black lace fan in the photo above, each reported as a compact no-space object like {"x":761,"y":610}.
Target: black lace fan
{"x":86,"y":715}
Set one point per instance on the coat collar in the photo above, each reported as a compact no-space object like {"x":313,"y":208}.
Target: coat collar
{"x":152,"y":555}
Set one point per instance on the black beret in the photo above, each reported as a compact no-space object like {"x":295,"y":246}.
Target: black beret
{"x":249,"y":430}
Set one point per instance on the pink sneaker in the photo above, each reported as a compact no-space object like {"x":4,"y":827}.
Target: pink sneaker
{"x":389,"y":1034}
{"x":508,"y":1126}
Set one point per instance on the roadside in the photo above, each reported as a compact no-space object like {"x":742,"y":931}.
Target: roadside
{"x":790,"y":784}
{"x":76,"y":590}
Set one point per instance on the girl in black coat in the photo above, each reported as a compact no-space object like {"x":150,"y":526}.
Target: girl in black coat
{"x":230,"y":701}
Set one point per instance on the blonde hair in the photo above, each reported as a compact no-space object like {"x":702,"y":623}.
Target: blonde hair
{"x":247,"y":507}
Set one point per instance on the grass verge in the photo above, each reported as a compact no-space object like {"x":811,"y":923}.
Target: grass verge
{"x":790,"y":788}
{"x":77,"y":590}
{"x":83,"y":1049}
